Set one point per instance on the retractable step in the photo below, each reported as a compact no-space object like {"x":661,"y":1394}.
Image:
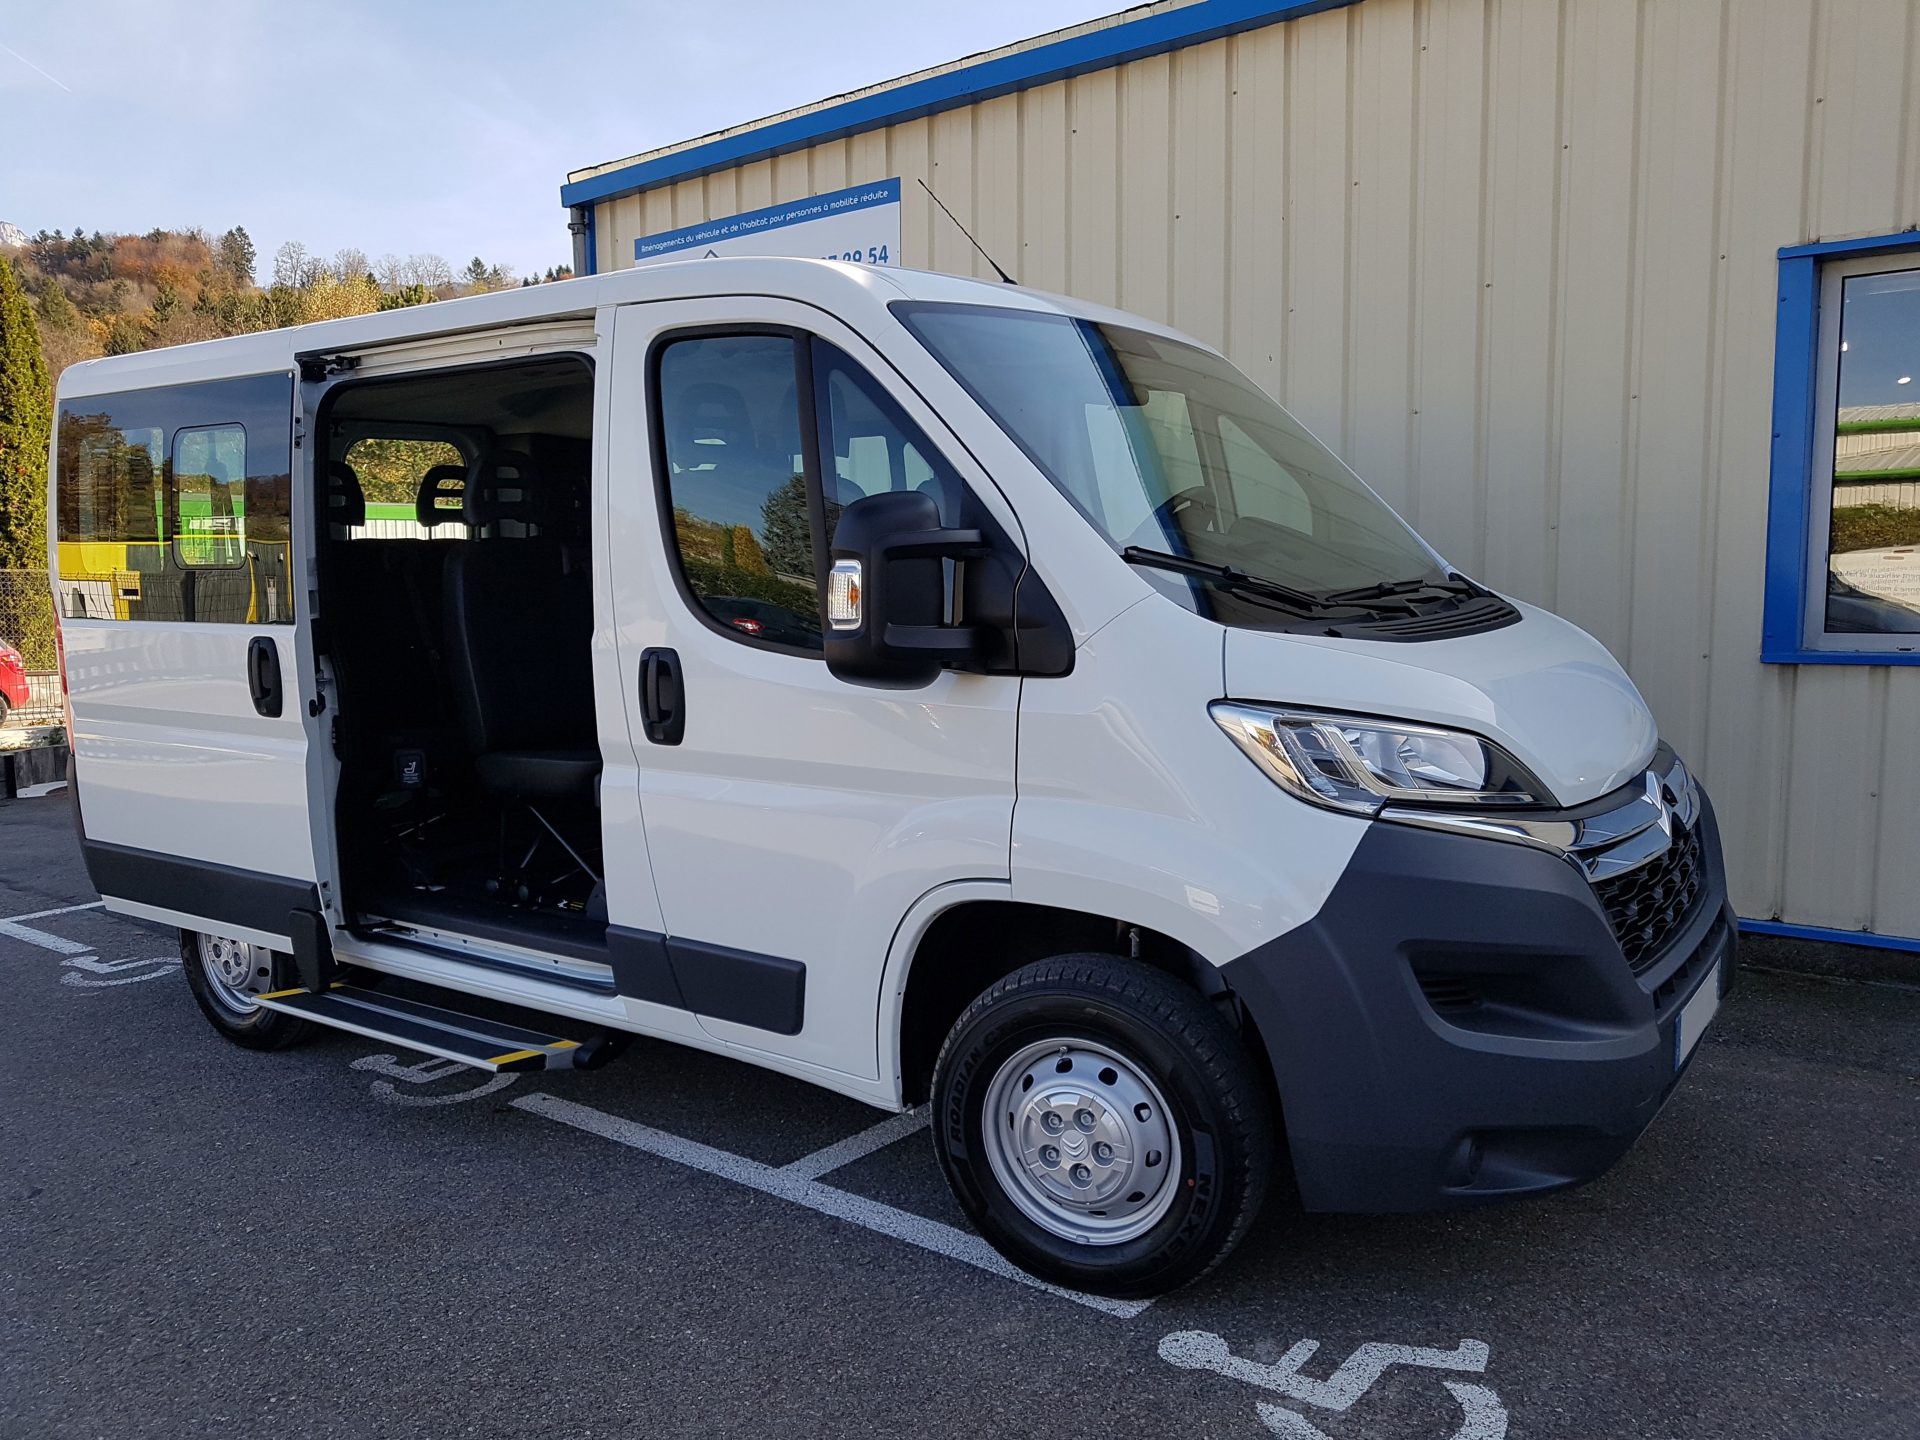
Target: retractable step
{"x":469,"y":1039}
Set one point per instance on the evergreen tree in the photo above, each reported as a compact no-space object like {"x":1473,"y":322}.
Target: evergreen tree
{"x":26,"y":422}
{"x":788,"y":529}
{"x":236,"y":255}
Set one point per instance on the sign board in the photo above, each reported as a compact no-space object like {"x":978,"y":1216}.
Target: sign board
{"x":861,"y":223}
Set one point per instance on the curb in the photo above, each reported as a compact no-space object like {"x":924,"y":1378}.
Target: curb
{"x":22,"y":769}
{"x":1830,"y":960}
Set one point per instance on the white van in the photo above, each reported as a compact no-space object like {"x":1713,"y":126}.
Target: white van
{"x":934,"y":690}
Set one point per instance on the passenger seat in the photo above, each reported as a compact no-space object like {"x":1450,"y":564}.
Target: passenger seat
{"x":519,"y":636}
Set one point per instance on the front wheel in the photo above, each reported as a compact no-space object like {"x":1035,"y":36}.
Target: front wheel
{"x":226,"y":974}
{"x":1102,"y":1125}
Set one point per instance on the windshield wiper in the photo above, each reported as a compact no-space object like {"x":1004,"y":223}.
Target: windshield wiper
{"x":1455,"y":584}
{"x":1228,"y":578}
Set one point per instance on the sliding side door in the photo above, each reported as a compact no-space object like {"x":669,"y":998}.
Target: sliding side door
{"x":175,"y":580}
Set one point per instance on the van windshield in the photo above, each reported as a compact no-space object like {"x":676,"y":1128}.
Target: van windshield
{"x":1173,"y":455}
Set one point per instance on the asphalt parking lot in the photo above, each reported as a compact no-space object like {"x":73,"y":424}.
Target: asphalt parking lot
{"x":340,"y":1240}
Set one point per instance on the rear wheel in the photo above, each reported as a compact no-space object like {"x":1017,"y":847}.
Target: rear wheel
{"x":1102,"y":1125}
{"x":225,"y":975}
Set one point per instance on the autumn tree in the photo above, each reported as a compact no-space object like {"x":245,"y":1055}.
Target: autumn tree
{"x":26,"y":421}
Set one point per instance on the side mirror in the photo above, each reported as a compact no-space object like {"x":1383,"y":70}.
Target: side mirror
{"x":886,"y":592}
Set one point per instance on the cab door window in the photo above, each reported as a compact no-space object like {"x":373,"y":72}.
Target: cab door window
{"x":868,"y":444}
{"x":739,"y":507}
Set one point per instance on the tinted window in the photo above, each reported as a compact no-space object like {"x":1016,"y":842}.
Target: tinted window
{"x":174,"y":503}
{"x":736,"y":483}
{"x":209,"y":497}
{"x":869,"y":445}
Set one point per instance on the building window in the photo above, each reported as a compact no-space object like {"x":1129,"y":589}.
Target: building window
{"x":1843,"y":582}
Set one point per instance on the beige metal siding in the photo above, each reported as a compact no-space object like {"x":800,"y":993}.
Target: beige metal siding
{"x":1516,"y":258}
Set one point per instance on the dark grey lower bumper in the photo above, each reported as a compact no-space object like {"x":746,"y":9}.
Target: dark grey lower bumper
{"x":1458,"y":1023}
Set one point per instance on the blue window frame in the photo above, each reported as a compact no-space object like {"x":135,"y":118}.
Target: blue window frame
{"x":1843,"y":519}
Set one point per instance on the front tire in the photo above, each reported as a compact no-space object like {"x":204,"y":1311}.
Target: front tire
{"x":1102,"y":1125}
{"x":226,"y":974}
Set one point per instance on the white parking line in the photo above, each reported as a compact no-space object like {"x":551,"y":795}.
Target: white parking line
{"x":785,"y":1184}
{"x":14,"y":928}
{"x":59,"y":910}
{"x":857,"y":1147}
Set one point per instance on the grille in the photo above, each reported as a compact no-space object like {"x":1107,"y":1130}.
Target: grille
{"x":1447,"y":992}
{"x":1646,"y":906}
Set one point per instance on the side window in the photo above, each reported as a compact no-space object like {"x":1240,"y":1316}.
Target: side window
{"x":175,"y":503}
{"x":209,"y":497}
{"x":867,"y":443}
{"x":391,"y":488}
{"x":735,"y":475}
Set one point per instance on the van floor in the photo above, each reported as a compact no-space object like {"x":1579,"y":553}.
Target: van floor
{"x":479,"y":870}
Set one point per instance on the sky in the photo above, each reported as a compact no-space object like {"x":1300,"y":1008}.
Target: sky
{"x":407,"y":126}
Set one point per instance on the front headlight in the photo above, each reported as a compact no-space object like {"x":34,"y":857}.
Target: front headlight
{"x":1345,"y":762}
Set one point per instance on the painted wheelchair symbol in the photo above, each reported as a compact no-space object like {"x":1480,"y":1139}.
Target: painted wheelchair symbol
{"x":1486,"y":1417}
{"x":424,"y":1073}
{"x":90,"y":972}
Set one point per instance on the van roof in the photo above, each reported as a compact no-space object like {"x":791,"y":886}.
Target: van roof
{"x":840,"y":288}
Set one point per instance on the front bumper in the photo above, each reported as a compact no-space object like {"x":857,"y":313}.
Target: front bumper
{"x":1459,"y":1023}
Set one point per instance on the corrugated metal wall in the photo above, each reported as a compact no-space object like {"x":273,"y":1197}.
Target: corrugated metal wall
{"x":1516,"y":259}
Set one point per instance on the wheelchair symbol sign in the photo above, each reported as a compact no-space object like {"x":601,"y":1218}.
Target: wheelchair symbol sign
{"x":1485,"y":1417}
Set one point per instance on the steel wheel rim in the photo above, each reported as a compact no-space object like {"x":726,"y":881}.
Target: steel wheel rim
{"x":1081,"y":1140}
{"x":232,"y":969}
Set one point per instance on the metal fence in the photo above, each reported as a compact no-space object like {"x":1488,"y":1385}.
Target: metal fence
{"x":26,"y":623}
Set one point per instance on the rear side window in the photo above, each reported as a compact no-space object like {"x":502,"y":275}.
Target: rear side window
{"x":209,"y":481}
{"x":398,"y":488}
{"x":736,"y":481}
{"x":174,"y":503}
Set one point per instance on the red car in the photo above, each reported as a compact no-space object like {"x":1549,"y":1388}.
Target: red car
{"x":13,"y":680}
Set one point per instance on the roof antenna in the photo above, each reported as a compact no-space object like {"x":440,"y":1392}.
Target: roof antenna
{"x":966,"y":232}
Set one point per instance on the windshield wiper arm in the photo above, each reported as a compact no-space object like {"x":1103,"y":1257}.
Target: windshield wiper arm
{"x":1226,"y":577}
{"x":1453,"y":585}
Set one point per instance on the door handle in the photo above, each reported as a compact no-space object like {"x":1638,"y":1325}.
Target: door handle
{"x":663,"y":709}
{"x":263,"y":675}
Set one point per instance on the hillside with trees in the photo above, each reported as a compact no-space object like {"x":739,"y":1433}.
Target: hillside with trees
{"x":66,"y":298}
{"x":99,"y":294}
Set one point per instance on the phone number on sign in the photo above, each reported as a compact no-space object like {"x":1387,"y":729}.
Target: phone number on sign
{"x":872,"y":255}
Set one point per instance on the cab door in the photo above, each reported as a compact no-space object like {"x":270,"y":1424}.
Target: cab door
{"x":792,"y":818}
{"x":176,"y":585}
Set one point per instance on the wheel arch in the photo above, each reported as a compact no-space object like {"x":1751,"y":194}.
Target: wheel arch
{"x":964,"y":937}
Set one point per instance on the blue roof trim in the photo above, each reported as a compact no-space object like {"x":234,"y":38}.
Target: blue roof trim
{"x":1866,"y":245}
{"x":1102,"y":49}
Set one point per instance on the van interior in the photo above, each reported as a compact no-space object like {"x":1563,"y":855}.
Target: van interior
{"x":458,"y":611}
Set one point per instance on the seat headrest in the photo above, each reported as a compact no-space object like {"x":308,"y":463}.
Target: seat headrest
{"x":440,"y":485}
{"x":506,"y":488}
{"x":711,"y":424}
{"x":514,"y":486}
{"x":346,"y":501}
